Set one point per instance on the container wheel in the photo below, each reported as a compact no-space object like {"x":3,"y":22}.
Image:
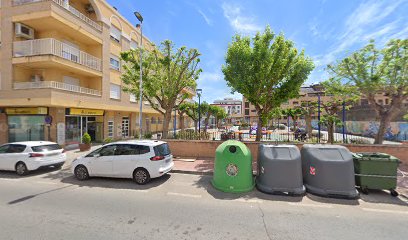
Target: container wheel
{"x":364,"y":190}
{"x":394,"y":193}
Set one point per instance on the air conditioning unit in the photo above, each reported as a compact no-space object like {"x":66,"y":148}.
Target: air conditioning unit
{"x":36,"y":78}
{"x":24,"y":31}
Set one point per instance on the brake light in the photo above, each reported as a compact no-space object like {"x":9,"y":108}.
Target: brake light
{"x":157,"y":158}
{"x":36,"y":155}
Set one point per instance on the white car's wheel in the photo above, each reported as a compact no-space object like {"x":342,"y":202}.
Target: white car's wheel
{"x":21,"y":169}
{"x":141,"y":176}
{"x":81,"y":173}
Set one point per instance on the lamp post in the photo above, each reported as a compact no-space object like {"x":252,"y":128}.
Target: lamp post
{"x":140,"y":18}
{"x":318,"y":116}
{"x":199,"y":91}
{"x":344,"y":122}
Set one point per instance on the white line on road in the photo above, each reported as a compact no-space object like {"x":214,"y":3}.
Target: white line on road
{"x":384,"y":211}
{"x":184,"y":195}
{"x":310,"y":205}
{"x":248,"y":200}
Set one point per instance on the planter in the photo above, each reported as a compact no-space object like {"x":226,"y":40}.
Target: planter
{"x":84,"y":147}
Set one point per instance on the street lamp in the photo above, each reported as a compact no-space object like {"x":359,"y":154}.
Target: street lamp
{"x":199,"y":91}
{"x":140,"y":18}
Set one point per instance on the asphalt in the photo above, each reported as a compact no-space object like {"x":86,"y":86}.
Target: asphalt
{"x":52,"y":204}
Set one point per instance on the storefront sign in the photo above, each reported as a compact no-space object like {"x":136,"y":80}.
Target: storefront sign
{"x":61,"y":133}
{"x":85,"y":112}
{"x":27,"y":111}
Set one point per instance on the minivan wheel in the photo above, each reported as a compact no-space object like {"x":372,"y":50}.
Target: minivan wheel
{"x":21,"y":169}
{"x":141,"y":176}
{"x":81,"y":173}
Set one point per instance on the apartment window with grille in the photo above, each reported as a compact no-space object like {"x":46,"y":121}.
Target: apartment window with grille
{"x":246,"y":104}
{"x":110,"y":129}
{"x":133,"y":45}
{"x":387,"y":101}
{"x":246,"y":111}
{"x":114,"y":63}
{"x":114,"y":91}
{"x":115,"y":34}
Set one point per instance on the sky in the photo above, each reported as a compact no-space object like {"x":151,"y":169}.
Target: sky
{"x":328,"y":30}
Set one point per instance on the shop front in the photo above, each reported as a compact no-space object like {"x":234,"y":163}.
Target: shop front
{"x":79,"y":121}
{"x":26,"y":123}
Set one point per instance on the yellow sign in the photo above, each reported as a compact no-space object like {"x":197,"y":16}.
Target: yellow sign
{"x":85,"y":112}
{"x":27,"y":111}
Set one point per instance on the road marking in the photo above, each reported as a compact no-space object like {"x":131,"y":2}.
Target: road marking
{"x":384,"y":211}
{"x":248,"y":200}
{"x":10,"y":179}
{"x":310,"y":205}
{"x":184,"y":195}
{"x":43,"y":182}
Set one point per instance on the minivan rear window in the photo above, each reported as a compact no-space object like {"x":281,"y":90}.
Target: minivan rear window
{"x":162,"y":150}
{"x":46,"y":148}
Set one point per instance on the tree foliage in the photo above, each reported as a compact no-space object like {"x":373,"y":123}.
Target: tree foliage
{"x":166,"y":73}
{"x":375,"y":71}
{"x":267,"y":71}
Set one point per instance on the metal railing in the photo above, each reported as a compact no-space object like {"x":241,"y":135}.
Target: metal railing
{"x":65,"y":5}
{"x":57,"y":85}
{"x":51,"y":46}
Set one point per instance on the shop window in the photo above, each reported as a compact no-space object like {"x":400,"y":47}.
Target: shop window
{"x":110,"y":129}
{"x":115,"y":63}
{"x":114,"y":91}
{"x":115,"y":34}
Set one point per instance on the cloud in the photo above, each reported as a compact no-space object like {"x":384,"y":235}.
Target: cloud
{"x":211,"y":77}
{"x":206,"y":19}
{"x":240,"y":23}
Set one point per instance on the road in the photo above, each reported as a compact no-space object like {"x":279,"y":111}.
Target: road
{"x":54,"y":205}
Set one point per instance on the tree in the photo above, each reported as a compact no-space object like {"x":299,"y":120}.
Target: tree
{"x":209,"y":111}
{"x":294,"y":113}
{"x":308,"y":109}
{"x":376,"y":71}
{"x":267,"y":71}
{"x":166,"y":73}
{"x":220,"y":115}
{"x":340,"y":93}
{"x":406,"y":117}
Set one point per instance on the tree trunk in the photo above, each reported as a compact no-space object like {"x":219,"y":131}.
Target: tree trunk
{"x":166,"y":122}
{"x":309,"y":129}
{"x":206,"y":120}
{"x":181,"y":121}
{"x":259,"y":130}
{"x":195,"y":125}
{"x":330,"y":132}
{"x":384,"y":122}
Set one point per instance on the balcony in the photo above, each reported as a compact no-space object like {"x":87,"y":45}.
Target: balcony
{"x":64,"y":5}
{"x":56,"y":85}
{"x":50,"y":46}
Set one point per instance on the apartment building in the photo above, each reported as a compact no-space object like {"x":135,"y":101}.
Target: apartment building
{"x":60,"y":72}
{"x":233,"y":107}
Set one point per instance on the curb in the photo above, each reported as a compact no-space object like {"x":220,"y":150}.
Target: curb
{"x":192,"y":172}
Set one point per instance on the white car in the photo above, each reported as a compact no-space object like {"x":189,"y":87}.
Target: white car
{"x":23,"y":157}
{"x":140,"y":160}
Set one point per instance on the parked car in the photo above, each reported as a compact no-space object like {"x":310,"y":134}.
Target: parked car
{"x":23,"y":157}
{"x":138,"y":159}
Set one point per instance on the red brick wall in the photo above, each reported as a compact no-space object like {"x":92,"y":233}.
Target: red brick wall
{"x":206,"y":149}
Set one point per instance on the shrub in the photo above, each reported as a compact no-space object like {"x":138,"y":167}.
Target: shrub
{"x":108,"y":140}
{"x":191,"y":135}
{"x":86,"y":139}
{"x":148,"y":135}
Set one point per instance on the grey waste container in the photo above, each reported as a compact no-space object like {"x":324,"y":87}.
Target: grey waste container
{"x":279,"y":170}
{"x":328,"y":170}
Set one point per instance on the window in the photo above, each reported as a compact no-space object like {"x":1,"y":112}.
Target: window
{"x":162,"y":150}
{"x":132,"y":98}
{"x":246,"y":104}
{"x":153,"y":120}
{"x":295,"y":103}
{"x":108,"y":150}
{"x":246,"y":111}
{"x":46,"y":148}
{"x":114,"y":91}
{"x":4,"y":148}
{"x":94,"y":153}
{"x":127,"y":149}
{"x":114,"y":63}
{"x":115,"y":34}
{"x":125,"y":127}
{"x":253,"y":111}
{"x":143,"y":149}
{"x":71,"y":80}
{"x":110,"y":129}
{"x":364,"y":102}
{"x":133,"y":45}
{"x":381,"y":102}
{"x":387,"y":101}
{"x":15,"y":148}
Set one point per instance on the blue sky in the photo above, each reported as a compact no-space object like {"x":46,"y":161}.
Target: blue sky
{"x":326,"y":29}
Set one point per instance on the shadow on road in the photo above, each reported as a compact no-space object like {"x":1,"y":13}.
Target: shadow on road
{"x":13,"y":175}
{"x":19,"y":200}
{"x":384,"y":197}
{"x":65,"y":176}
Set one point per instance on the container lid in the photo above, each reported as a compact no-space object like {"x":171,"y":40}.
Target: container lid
{"x":374,"y":156}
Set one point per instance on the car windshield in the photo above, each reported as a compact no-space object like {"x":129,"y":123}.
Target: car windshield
{"x":162,"y":150}
{"x":46,"y":148}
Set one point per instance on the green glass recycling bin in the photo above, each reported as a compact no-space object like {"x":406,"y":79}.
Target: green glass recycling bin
{"x":376,"y":171}
{"x":233,"y":168}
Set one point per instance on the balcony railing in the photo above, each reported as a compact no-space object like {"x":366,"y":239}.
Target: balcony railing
{"x":56,"y":85}
{"x":50,"y":46}
{"x":65,"y":5}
